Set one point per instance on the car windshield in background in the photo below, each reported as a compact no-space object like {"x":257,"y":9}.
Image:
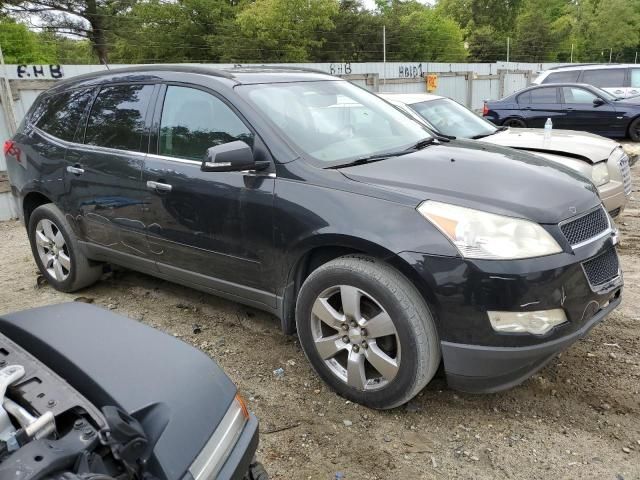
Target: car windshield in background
{"x":451,"y":118}
{"x":334,"y":121}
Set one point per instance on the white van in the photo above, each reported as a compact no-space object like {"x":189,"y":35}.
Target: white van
{"x":621,"y":80}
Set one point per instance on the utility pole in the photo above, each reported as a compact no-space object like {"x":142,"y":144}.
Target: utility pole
{"x":636,"y":60}
{"x":508,"y":47}
{"x":7,"y":98}
{"x":384,"y":54}
{"x":571,"y":53}
{"x":610,"y":54}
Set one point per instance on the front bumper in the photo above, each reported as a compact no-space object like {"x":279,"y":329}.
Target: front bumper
{"x":460,"y":292}
{"x":479,"y":369}
{"x":613,"y":197}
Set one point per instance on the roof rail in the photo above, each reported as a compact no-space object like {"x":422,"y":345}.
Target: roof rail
{"x":582,"y":65}
{"x":282,"y":67}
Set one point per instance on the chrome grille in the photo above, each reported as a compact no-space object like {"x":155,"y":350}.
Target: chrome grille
{"x":625,"y":171}
{"x":602,"y":268}
{"x":585,"y":227}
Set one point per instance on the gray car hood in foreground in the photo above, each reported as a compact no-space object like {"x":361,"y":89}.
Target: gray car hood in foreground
{"x":113,"y":360}
{"x":586,"y":146}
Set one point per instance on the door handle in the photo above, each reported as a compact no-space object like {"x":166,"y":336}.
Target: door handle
{"x":634,"y":91}
{"x":158,"y":186}
{"x":618,"y":91}
{"x":75,"y":170}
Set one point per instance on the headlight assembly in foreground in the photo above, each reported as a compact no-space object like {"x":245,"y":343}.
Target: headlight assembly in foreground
{"x":600,"y":174}
{"x":488,"y":236}
{"x":211,"y":459}
{"x":537,"y":323}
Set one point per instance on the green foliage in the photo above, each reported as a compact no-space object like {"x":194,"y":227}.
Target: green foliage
{"x":286,"y":30}
{"x":19,"y":45}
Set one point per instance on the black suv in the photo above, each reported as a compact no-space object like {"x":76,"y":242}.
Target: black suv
{"x":389,"y":250}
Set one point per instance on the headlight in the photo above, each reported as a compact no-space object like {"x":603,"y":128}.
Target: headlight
{"x":600,"y":174}
{"x":211,"y":458}
{"x":483,"y":235}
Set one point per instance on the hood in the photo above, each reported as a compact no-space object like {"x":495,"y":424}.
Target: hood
{"x":113,"y":360}
{"x":484,"y":177}
{"x":631,"y":101}
{"x":581,"y":145}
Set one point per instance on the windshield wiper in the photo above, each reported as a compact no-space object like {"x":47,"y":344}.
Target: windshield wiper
{"x":425,"y":142}
{"x":483,"y":135}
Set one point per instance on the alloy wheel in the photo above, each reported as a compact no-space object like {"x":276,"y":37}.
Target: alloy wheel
{"x":53,"y":250}
{"x":356,"y":337}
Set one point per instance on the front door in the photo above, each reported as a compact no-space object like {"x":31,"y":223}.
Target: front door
{"x":104,"y":171}
{"x":209,"y":228}
{"x":584,"y":115}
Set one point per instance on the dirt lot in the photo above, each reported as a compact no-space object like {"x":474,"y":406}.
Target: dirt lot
{"x":578,"y":418}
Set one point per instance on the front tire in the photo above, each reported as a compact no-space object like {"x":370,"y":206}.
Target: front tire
{"x":57,"y":253}
{"x":367,"y":331}
{"x":634,"y":130}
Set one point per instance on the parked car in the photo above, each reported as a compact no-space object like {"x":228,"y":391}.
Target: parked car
{"x":388,"y":249}
{"x":619,"y":80}
{"x":570,"y":106}
{"x":88,"y":394}
{"x":601,"y":160}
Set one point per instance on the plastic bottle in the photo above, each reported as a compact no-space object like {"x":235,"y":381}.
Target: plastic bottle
{"x":548,"y":126}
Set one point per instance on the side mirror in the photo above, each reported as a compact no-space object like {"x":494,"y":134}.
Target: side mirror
{"x":598,"y":101}
{"x":228,"y":157}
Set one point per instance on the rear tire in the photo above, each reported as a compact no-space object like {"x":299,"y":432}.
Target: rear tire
{"x":515,"y":123}
{"x":57,"y":253}
{"x":367,"y":331}
{"x":634,"y":130}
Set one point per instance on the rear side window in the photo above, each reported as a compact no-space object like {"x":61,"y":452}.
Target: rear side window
{"x":59,"y":114}
{"x":560,"y":77}
{"x":524,"y":98}
{"x":193,"y":121}
{"x":606,"y":77}
{"x":117,"y":117}
{"x":544,"y":95}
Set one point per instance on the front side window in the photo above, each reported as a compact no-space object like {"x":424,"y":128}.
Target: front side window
{"x":544,"y":95}
{"x":59,"y":114}
{"x":561,"y":77}
{"x":117,"y":117}
{"x":635,"y":77}
{"x":333,"y":121}
{"x":578,"y":95}
{"x":451,"y":118}
{"x":193,"y":121}
{"x":606,"y":77}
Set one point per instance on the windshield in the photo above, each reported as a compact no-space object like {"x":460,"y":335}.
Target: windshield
{"x":451,"y":118}
{"x":334,"y":121}
{"x":604,"y":94}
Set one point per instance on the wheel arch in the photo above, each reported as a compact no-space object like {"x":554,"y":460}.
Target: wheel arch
{"x":30,"y":202}
{"x":318,"y":253}
{"x":514,"y":117}
{"x":628,"y":130}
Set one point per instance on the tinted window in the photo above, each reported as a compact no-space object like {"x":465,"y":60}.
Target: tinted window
{"x":544,"y":95}
{"x":577,"y":95}
{"x":606,"y":77}
{"x":59,"y":114}
{"x":559,"y":77}
{"x":193,"y":120}
{"x":635,"y":77}
{"x":117,"y":117}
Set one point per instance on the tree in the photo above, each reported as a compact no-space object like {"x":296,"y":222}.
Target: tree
{"x":283,"y":30}
{"x":19,"y":45}
{"x":540,"y":28}
{"x":91,"y":19}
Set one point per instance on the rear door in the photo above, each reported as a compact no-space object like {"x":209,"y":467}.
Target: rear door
{"x":584,"y":115}
{"x":213,"y":229}
{"x":104,"y":171}
{"x":539,"y":104}
{"x":613,"y":80}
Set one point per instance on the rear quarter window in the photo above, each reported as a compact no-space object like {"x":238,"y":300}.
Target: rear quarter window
{"x":60,"y":114}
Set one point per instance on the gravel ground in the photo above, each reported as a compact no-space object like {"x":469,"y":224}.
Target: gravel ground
{"x":579,"y":417}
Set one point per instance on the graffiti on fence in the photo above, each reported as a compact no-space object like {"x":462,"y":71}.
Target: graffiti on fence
{"x":410,"y":71}
{"x":39,"y":71}
{"x":340,"y":68}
